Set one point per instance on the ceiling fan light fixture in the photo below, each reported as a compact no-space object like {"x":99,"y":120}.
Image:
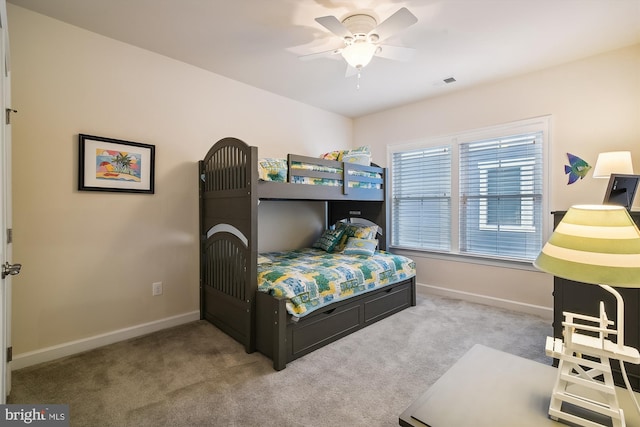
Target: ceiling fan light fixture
{"x":359,"y":54}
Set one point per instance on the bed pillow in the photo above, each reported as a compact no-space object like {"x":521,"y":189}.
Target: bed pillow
{"x":272,"y":169}
{"x":359,"y":156}
{"x":359,"y":231}
{"x":364,"y":149}
{"x":329,"y":239}
{"x":332,"y":155}
{"x":357,"y":246}
{"x":358,"y":159}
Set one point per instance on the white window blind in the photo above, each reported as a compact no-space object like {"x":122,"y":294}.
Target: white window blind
{"x":501,"y":200}
{"x":421,"y":198}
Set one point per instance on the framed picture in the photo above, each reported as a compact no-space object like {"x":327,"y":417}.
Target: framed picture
{"x":621,"y":190}
{"x":107,"y":164}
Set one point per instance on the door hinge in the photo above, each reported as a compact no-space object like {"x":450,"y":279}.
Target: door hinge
{"x":10,"y":269}
{"x":9,"y":235}
{"x":9,"y":354}
{"x":8,"y":112}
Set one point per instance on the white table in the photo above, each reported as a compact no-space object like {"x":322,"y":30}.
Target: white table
{"x":491,"y":388}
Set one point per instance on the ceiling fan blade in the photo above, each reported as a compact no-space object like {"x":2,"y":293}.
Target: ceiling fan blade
{"x":332,"y":24}
{"x":395,"y":23}
{"x":323,"y":54}
{"x":396,"y":53}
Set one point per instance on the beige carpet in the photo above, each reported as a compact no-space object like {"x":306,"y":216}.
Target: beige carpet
{"x":195,"y":375}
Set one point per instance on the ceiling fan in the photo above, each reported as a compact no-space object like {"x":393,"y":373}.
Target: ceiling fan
{"x":362,"y":38}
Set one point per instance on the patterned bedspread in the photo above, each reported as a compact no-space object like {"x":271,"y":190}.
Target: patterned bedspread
{"x":312,"y":278}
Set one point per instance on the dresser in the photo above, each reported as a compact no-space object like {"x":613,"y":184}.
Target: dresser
{"x":582,"y":298}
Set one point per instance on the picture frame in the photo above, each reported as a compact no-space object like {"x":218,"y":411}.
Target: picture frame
{"x":621,"y":190}
{"x":107,"y":164}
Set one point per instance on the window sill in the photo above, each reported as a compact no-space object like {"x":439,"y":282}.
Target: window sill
{"x":470,"y":259}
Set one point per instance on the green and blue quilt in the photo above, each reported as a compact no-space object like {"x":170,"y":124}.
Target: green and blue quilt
{"x":312,"y":278}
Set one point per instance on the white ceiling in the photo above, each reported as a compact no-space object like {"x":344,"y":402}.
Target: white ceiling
{"x":258,"y":42}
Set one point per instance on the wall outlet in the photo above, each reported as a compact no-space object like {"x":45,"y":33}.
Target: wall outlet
{"x":156,"y":288}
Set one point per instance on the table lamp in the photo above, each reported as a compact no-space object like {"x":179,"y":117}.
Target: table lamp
{"x":613,"y":162}
{"x":599,"y":245}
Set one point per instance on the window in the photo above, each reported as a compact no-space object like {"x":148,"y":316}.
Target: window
{"x":501,"y":196}
{"x":421,"y":199}
{"x":481,"y":193}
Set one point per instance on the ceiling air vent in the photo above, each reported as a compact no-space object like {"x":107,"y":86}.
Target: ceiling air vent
{"x":449,"y":80}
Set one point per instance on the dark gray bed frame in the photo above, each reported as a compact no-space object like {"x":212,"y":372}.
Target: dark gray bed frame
{"x":229,"y":195}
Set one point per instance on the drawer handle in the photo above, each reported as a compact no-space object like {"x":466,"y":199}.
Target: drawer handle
{"x":389,"y":290}
{"x":329,"y":311}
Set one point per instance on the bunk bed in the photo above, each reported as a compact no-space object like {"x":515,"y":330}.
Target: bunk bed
{"x":230,"y":191}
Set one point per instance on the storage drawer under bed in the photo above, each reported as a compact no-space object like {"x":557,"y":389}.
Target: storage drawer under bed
{"x":388,"y":301}
{"x":321,"y":328}
{"x":284,"y":339}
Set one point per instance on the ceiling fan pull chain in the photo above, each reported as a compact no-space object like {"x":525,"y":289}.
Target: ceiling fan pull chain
{"x":358,"y":82}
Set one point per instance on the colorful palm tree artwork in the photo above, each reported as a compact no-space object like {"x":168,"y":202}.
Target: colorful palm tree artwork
{"x":117,"y":165}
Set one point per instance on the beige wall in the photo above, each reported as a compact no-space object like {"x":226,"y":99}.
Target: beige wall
{"x":595,"y":107}
{"x":90,"y":258}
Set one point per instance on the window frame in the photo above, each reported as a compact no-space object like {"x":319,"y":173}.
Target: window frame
{"x":455,"y":140}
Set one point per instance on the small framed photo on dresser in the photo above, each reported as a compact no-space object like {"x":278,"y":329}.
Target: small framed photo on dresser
{"x":107,"y":164}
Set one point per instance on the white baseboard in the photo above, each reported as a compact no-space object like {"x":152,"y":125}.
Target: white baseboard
{"x":31,"y":358}
{"x":537,"y":310}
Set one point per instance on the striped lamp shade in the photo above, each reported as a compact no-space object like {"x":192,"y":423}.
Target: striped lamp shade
{"x":598,"y":244}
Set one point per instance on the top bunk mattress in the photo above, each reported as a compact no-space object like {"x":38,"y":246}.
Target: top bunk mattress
{"x":312,"y":278}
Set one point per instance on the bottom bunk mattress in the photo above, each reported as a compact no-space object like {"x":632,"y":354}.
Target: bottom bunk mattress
{"x":312,"y":278}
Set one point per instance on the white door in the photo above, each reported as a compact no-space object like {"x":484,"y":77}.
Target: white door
{"x":8,"y":269}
